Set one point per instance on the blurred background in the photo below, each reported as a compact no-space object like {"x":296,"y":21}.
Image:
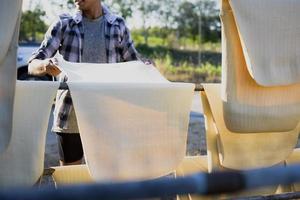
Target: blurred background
{"x":183,"y":37}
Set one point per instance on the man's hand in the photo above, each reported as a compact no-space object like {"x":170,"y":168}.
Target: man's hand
{"x":43,"y":67}
{"x":51,"y":67}
{"x":147,"y":61}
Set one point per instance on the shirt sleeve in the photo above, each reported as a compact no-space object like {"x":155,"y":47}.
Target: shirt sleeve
{"x":129,"y":52}
{"x":50,"y":44}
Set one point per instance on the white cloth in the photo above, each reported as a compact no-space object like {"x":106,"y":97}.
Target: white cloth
{"x":133,"y":122}
{"x":270,"y":36}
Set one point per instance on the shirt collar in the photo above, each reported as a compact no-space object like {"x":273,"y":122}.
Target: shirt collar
{"x":110,"y":17}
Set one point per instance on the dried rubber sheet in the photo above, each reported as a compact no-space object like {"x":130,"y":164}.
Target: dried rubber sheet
{"x":270,"y":37}
{"x":24,"y":109}
{"x":22,"y":162}
{"x":248,"y":106}
{"x":246,"y":151}
{"x":133,"y":122}
{"x":10,"y":14}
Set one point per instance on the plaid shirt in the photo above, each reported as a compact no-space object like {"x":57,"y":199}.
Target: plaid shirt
{"x":66,"y":36}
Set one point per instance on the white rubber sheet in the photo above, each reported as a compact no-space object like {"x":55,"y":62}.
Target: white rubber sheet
{"x":248,"y":106}
{"x":22,"y":162}
{"x":270,"y":36}
{"x":126,"y":72}
{"x":243,"y":151}
{"x":133,"y":122}
{"x":10,"y":14}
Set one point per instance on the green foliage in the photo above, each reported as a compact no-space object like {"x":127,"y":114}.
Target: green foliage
{"x":199,"y":18}
{"x":122,"y":7}
{"x":187,"y":73}
{"x":187,"y":20}
{"x":182,"y":65}
{"x":177,"y":56}
{"x":32,"y":25}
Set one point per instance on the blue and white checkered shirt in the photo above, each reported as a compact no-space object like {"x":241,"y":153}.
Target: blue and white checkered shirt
{"x":66,"y":36}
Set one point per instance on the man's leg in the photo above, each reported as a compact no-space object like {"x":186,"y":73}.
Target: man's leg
{"x":70,"y":148}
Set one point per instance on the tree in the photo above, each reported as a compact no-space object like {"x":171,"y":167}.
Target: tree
{"x":57,"y":6}
{"x":148,"y":10}
{"x":122,"y":7}
{"x":168,"y":10}
{"x":210,"y":21}
{"x":32,"y":24}
{"x":187,"y":20}
{"x":202,"y":13}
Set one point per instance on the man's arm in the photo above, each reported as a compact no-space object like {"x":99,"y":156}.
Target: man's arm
{"x":128,"y":50}
{"x":40,"y":63}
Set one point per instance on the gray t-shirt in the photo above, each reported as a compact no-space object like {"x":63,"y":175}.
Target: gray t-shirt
{"x":94,"y":51}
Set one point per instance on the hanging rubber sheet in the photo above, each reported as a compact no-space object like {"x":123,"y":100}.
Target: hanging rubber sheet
{"x":22,"y":162}
{"x":132,"y":121}
{"x":245,"y":151}
{"x":255,"y":55}
{"x":270,"y":37}
{"x":24,"y":109}
{"x":10,"y":15}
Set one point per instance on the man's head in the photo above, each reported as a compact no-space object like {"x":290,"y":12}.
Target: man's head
{"x":86,"y":4}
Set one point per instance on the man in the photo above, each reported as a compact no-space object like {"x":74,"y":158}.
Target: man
{"x":92,"y":35}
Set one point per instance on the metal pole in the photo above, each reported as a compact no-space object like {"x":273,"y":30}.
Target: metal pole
{"x":201,"y":184}
{"x":283,"y":196}
{"x":200,"y":35}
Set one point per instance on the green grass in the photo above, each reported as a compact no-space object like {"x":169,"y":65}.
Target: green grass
{"x":178,"y":59}
{"x":188,"y":73}
{"x":171,"y":41}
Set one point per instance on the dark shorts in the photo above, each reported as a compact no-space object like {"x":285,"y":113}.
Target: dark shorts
{"x":69,"y":147}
